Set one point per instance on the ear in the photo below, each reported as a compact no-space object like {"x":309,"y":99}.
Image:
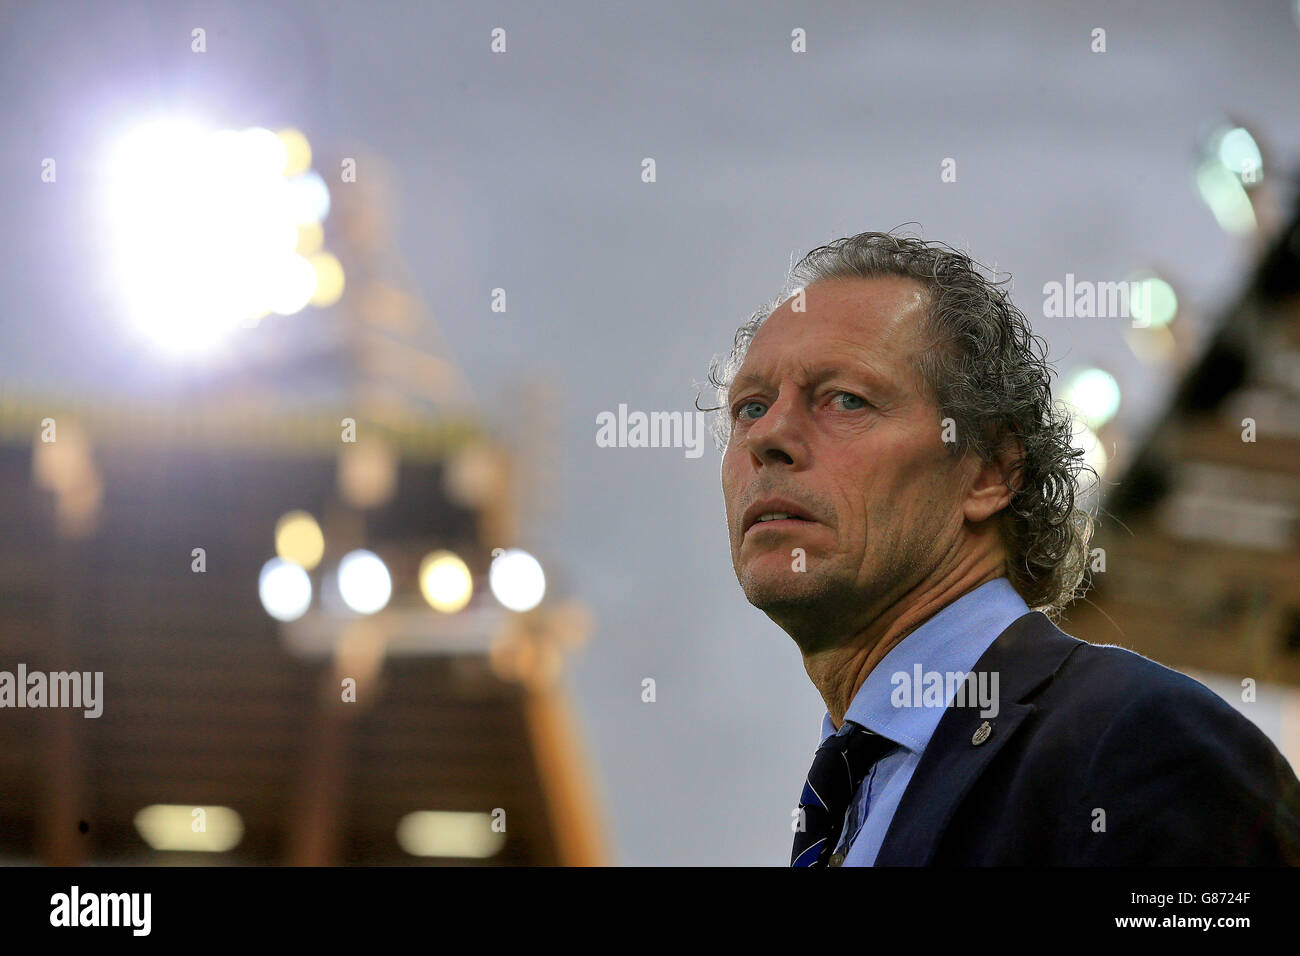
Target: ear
{"x":995,"y":481}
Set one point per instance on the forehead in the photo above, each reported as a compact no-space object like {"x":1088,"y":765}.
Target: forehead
{"x":877,"y":322}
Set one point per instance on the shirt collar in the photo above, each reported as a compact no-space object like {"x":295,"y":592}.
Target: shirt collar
{"x":953,"y":640}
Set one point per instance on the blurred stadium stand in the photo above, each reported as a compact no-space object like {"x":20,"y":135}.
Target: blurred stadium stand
{"x":1201,"y":535}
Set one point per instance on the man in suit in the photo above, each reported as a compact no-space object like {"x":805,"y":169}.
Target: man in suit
{"x":901,"y":496}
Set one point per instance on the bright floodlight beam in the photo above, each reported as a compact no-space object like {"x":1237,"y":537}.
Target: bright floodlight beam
{"x":204,"y":229}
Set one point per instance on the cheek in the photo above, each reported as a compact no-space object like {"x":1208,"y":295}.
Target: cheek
{"x":929,"y":496}
{"x":887,"y":496}
{"x":730,"y":486}
{"x":727,"y":467}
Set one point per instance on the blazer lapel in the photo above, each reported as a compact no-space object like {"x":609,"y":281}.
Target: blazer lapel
{"x":1025,"y":655}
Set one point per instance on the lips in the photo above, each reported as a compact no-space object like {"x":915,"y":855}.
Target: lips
{"x":766,"y":506}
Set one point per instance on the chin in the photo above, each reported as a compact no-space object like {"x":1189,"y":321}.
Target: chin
{"x":787,"y":592}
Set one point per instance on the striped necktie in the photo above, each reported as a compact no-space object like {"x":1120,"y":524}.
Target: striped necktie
{"x":839,"y":767}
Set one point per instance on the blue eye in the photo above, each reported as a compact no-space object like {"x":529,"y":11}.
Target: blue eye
{"x":863,"y":403}
{"x":744,"y":405}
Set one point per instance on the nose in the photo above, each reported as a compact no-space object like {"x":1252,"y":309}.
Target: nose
{"x":779,"y":436}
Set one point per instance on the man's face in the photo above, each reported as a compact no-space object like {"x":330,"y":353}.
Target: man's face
{"x":830,"y":415}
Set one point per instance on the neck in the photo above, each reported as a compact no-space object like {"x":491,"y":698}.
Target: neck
{"x":839,"y":670}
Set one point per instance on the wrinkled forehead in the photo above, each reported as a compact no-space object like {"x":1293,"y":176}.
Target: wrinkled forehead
{"x":878,"y":324}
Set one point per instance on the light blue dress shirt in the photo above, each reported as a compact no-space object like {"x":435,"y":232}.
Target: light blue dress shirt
{"x":951,"y":641}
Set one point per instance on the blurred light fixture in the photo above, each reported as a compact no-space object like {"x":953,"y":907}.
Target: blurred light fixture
{"x":476,"y":475}
{"x":360,"y":646}
{"x":329,"y":279}
{"x":364,"y":582}
{"x":196,"y":829}
{"x":308,"y":198}
{"x":1093,"y":395}
{"x":1239,"y":154}
{"x":66,"y":467}
{"x":1227,"y":199}
{"x":298,"y":539}
{"x":204,"y":230}
{"x":519,"y":654}
{"x":1154,"y":345}
{"x":293,"y":286}
{"x":1157,"y":303}
{"x":367,"y":475}
{"x":449,"y":834}
{"x":517,"y":580}
{"x":445,"y":581}
{"x":310,"y":238}
{"x":297,"y":152}
{"x":1231,"y":163}
{"x":285,"y":590}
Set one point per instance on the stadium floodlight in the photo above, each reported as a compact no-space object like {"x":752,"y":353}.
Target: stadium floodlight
{"x":1093,"y":395}
{"x":1231,"y":166}
{"x":203,"y":229}
{"x":285,"y":590}
{"x":364,"y":581}
{"x":445,"y":581}
{"x":517,"y":580}
{"x":299,"y":540}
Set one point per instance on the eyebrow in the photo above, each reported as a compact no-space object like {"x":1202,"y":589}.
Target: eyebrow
{"x":818,"y":375}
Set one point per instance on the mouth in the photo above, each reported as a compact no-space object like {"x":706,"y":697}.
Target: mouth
{"x":774,"y":514}
{"x":777,"y":524}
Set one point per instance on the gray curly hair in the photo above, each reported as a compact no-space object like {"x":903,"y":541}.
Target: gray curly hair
{"x":991,"y":376}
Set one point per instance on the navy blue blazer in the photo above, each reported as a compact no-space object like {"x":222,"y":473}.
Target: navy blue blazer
{"x":1097,"y":757}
